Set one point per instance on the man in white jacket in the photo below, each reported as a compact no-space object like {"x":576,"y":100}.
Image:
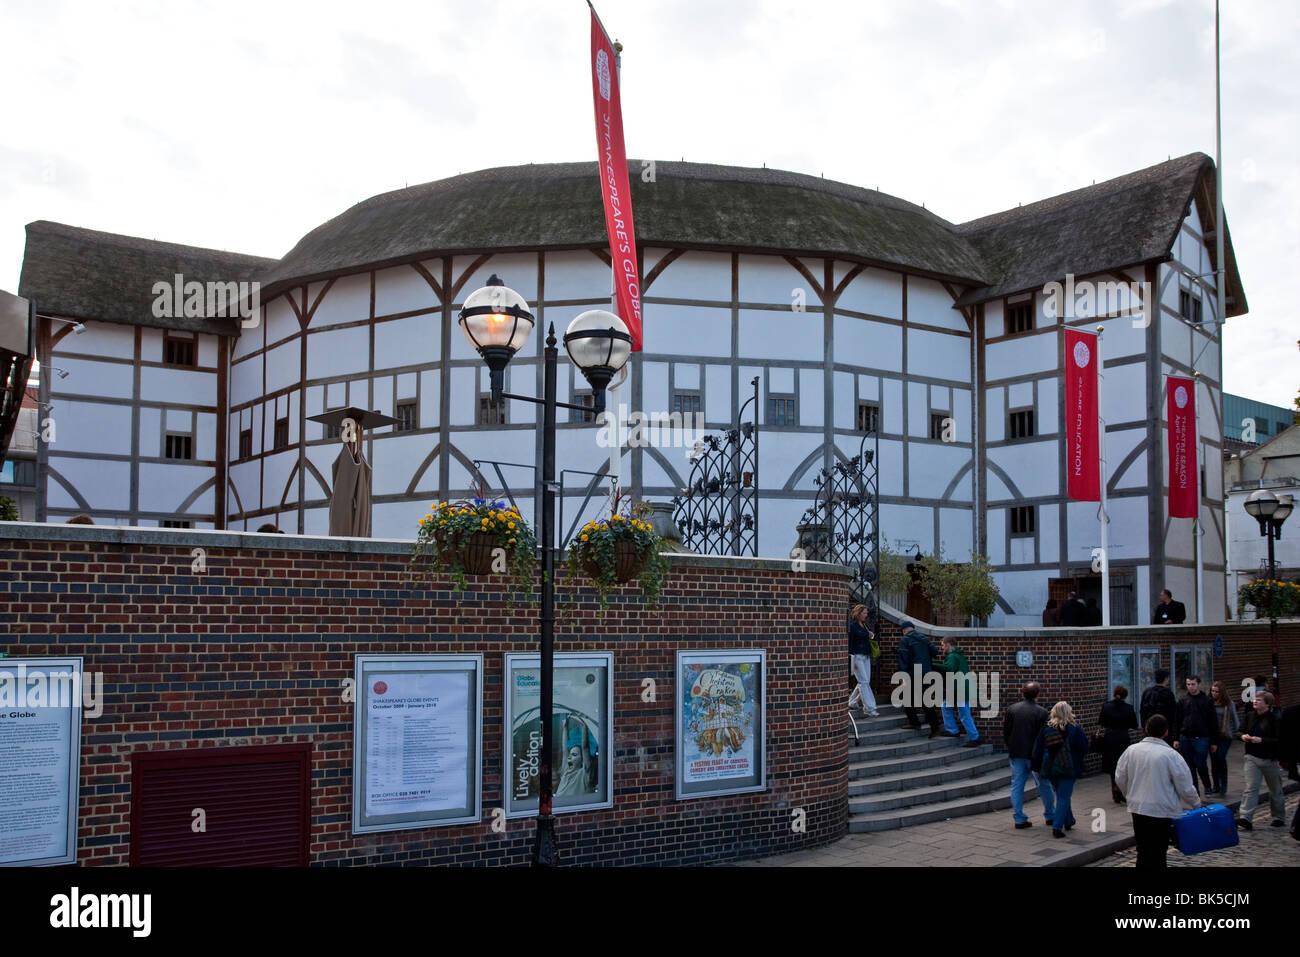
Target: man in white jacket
{"x":1158,"y":786}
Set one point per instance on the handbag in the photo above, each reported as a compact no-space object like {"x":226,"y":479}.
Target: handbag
{"x":875,"y":648}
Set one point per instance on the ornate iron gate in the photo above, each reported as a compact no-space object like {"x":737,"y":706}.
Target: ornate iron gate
{"x":717,"y":512}
{"x":842,"y":524}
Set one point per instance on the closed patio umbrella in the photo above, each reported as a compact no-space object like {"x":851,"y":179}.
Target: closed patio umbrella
{"x":351,"y":481}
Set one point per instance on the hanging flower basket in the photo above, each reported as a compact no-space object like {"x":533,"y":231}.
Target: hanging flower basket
{"x":616,"y":550}
{"x":1270,"y":599}
{"x":471,"y":537}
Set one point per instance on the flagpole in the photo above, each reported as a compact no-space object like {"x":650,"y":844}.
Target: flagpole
{"x":625,"y":377}
{"x":1196,"y":522}
{"x":1101,"y":511}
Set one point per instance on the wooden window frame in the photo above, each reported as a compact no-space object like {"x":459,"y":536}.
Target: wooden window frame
{"x":191,"y":343}
{"x":1026,"y":512}
{"x":414,"y":424}
{"x":168,"y":436}
{"x":1011,"y":423}
{"x":275,"y":435}
{"x":775,"y":397}
{"x":246,"y":447}
{"x":484,"y":410}
{"x":1008,"y":306}
{"x":873,"y":412}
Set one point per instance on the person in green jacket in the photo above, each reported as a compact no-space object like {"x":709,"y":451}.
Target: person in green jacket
{"x":960,"y":692}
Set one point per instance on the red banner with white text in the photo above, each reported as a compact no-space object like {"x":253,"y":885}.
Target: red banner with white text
{"x":1183,"y":478}
{"x":614,"y":180}
{"x":1082,"y":449}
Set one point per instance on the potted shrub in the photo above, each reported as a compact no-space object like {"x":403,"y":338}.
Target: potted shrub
{"x":614,"y":550}
{"x":476,"y":537}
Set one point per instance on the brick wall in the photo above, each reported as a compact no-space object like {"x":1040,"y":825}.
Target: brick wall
{"x":255,"y":650}
{"x":1072,"y":664}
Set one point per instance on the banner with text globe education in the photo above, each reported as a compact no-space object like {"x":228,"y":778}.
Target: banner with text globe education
{"x":581,"y":732}
{"x":614,"y":186}
{"x":721,"y":738}
{"x":1082,"y":448}
{"x":1183,"y":477}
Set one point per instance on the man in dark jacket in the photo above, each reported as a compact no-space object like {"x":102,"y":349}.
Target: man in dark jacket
{"x":1073,"y":612}
{"x":1195,"y":726}
{"x":1261,"y":737}
{"x":1158,"y":699}
{"x":915,"y":660}
{"x":1169,"y":612}
{"x":1020,"y":727}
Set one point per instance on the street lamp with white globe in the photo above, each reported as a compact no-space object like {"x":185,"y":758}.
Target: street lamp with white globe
{"x":497,"y":322}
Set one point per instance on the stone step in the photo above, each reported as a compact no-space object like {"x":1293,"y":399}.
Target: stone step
{"x":917,"y":743}
{"x":979,"y":784}
{"x":861,"y":769}
{"x":995,"y":799}
{"x":889,"y":719}
{"x":975,"y":763}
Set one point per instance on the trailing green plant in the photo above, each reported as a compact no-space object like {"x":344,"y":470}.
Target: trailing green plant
{"x":8,"y":509}
{"x":446,"y":534}
{"x":977,"y":593}
{"x":1270,"y":599}
{"x":593,"y":553}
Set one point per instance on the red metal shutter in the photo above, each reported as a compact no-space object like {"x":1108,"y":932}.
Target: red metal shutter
{"x":255,"y":800}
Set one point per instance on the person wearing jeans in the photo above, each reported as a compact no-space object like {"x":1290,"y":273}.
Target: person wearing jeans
{"x":1226,"y":730}
{"x":1061,"y":737}
{"x":963,"y":692}
{"x":1020,"y":727}
{"x":1195,"y":723}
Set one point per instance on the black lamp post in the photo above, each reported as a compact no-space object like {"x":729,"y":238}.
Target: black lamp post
{"x":1271,"y":511}
{"x":496,"y":321}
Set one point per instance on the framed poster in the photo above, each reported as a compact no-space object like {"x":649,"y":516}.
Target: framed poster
{"x":721,"y":723}
{"x":40,"y":759}
{"x":582,"y":732}
{"x":417,"y":749}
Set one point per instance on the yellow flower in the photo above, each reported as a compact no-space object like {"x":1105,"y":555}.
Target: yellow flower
{"x":584,"y":538}
{"x":510,"y":525}
{"x":511,"y":541}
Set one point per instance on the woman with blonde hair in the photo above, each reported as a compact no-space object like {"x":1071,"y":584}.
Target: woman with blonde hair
{"x":1058,"y":756}
{"x":860,"y":657}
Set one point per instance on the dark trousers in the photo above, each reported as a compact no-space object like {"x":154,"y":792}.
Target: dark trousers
{"x":1219,"y":764}
{"x":1152,"y":835}
{"x":931,"y":718}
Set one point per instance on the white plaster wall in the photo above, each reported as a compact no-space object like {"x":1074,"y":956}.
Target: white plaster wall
{"x":106,"y":339}
{"x":335,"y":352}
{"x":90,"y":378}
{"x":415,"y":340}
{"x":929,"y":303}
{"x":284,"y":366}
{"x":938,"y":356}
{"x":402,"y":289}
{"x":1016,"y":357}
{"x":90,"y":427}
{"x":1032,"y":465}
{"x":770,"y":279}
{"x":873,"y":345}
{"x":693,"y":275}
{"x":781,"y":335}
{"x":348,"y":300}
{"x":933,"y":466}
{"x":877,"y":292}
{"x":103,"y":484}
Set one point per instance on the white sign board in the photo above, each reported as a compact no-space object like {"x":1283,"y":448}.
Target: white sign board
{"x":417,"y":755}
{"x":40,"y":759}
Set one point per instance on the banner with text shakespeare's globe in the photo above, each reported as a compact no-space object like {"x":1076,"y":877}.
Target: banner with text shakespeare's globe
{"x":1082,"y":446}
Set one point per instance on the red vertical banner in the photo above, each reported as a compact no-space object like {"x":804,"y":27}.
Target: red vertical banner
{"x":614,"y":186}
{"x":1183,"y":478}
{"x":1082,"y":449}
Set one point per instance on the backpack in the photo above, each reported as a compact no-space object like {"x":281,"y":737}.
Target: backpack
{"x":1058,"y":764}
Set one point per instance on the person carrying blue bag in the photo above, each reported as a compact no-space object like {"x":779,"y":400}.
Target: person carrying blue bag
{"x":1157,"y":784}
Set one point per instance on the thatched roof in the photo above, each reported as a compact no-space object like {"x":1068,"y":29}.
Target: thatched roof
{"x":86,"y":274}
{"x":1122,"y":222}
{"x":558,"y":205}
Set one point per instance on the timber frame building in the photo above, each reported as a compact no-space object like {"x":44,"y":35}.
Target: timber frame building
{"x":851,"y":307}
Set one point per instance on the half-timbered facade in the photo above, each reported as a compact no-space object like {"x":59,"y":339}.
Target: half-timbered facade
{"x":853,"y":309}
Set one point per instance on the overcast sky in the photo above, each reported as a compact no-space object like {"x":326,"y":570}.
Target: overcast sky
{"x":242,"y":126}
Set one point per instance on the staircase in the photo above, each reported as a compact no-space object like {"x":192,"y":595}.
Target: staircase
{"x":899,"y":777}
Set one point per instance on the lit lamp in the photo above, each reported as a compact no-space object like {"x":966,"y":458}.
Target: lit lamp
{"x":1270,"y":511}
{"x":497,"y":322}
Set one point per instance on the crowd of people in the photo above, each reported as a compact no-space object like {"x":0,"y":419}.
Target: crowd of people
{"x":1179,"y":763}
